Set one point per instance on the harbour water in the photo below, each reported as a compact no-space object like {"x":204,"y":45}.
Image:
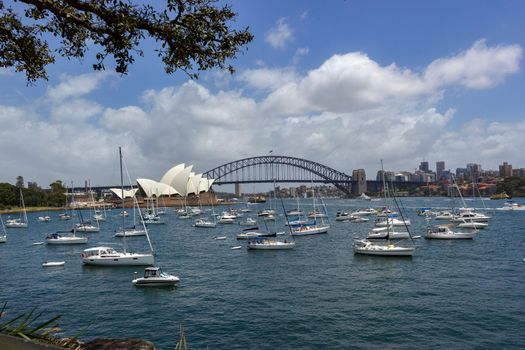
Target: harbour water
{"x":450,"y":294}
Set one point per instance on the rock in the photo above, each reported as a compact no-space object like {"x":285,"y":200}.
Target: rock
{"x":118,"y":344}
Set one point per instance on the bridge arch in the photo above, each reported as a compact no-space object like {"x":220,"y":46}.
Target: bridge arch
{"x":272,"y":168}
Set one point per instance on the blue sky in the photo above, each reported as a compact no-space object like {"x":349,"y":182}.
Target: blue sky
{"x":343,"y":83}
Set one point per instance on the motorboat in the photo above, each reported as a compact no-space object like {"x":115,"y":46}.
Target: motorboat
{"x":226,"y":218}
{"x":444,"y":215}
{"x":57,"y":238}
{"x":369,"y":248}
{"x":153,"y":219}
{"x":107,"y":256}
{"x":444,"y":232}
{"x":86,"y":226}
{"x":155,"y":277}
{"x":204,"y":223}
{"x":270,"y":217}
{"x":64,"y":216}
{"x":269,"y":244}
{"x":53,"y":263}
{"x":130,"y":231}
{"x":387,"y":234}
{"x":473,"y":224}
{"x":248,"y":222}
{"x":343,"y":216}
{"x":364,"y":212}
{"x":511,"y":206}
{"x":392,"y":220}
{"x":266,"y":212}
{"x":44,"y":218}
{"x":468,"y":215}
{"x":294,"y":212}
{"x":424,"y":211}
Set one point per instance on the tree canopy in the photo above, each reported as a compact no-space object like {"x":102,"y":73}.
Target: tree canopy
{"x":192,"y":35}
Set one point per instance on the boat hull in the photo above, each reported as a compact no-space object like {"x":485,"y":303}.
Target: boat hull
{"x":67,"y":240}
{"x":123,"y":259}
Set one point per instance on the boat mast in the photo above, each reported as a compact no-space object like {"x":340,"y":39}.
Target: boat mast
{"x":386,"y":204}
{"x":122,"y":195}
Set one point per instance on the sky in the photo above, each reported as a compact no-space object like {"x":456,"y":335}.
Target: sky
{"x":341,"y":83}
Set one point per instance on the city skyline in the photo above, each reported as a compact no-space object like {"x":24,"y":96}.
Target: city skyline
{"x":316,"y":83}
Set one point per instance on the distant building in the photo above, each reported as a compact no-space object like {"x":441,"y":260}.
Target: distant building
{"x":358,"y":181}
{"x":424,"y":167}
{"x":474,"y":170}
{"x":505,"y":170}
{"x":518,"y":172}
{"x":440,"y":167}
{"x":389,"y":175}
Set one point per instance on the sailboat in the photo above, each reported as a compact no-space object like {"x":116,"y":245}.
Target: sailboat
{"x":207,"y":222}
{"x":367,"y":247}
{"x":107,"y":256}
{"x":264,"y":242}
{"x":20,"y":222}
{"x":3,"y":237}
{"x":57,"y":238}
{"x":311,"y":228}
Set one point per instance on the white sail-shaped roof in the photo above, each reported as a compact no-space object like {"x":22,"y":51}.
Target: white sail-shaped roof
{"x":180,"y":181}
{"x":205,"y":184}
{"x":168,"y":177}
{"x":127,"y":193}
{"x":153,"y":188}
{"x":193,"y":183}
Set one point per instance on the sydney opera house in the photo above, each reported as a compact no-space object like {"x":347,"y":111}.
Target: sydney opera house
{"x":178,"y":186}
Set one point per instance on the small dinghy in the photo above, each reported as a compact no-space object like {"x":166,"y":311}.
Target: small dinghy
{"x":236,"y":247}
{"x":154,"y":277}
{"x":53,"y":263}
{"x":220,"y":238}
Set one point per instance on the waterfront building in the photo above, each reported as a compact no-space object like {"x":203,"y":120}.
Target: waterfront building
{"x":505,"y":170}
{"x":440,"y":167}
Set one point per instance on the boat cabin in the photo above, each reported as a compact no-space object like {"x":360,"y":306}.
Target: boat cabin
{"x":151,"y":272}
{"x":99,"y":251}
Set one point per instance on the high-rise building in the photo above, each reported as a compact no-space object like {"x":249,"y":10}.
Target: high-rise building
{"x":505,"y":170}
{"x":358,"y":181}
{"x":424,"y":167}
{"x":440,"y":167}
{"x":474,"y":170}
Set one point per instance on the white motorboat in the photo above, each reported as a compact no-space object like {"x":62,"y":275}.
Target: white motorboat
{"x":306,"y":230}
{"x":512,"y":206}
{"x":471,"y":216}
{"x":248,"y":222}
{"x":154,"y":277}
{"x":53,"y":263}
{"x":368,"y":248}
{"x":394,"y":221}
{"x":473,"y":224}
{"x":153,"y":219}
{"x":364,"y":212}
{"x":226,"y":218}
{"x":57,"y":238}
{"x":387,"y":234}
{"x":343,"y":216}
{"x":86,"y":226}
{"x":269,"y":244}
{"x":64,"y":216}
{"x":204,"y":223}
{"x":266,"y":212}
{"x":44,"y":218}
{"x":444,"y":215}
{"x":444,"y":232}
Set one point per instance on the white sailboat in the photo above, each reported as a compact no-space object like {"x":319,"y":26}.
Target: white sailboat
{"x":314,"y":227}
{"x":366,"y":247}
{"x":107,"y":256}
{"x":58,"y":238}
{"x":20,"y":222}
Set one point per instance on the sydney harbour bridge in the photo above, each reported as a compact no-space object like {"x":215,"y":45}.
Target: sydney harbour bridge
{"x":285,"y":169}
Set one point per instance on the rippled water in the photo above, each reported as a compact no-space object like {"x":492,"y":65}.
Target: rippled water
{"x":462,"y":294}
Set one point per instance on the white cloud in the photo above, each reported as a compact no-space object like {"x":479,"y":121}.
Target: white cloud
{"x":300,"y":52}
{"x":479,"y":67}
{"x":75,"y":86}
{"x":279,"y":35}
{"x":266,"y":78}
